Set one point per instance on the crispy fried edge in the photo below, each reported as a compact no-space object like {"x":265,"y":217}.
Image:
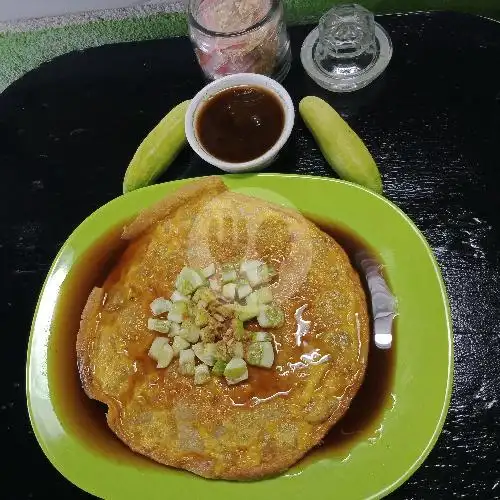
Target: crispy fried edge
{"x":149,"y":216}
{"x":85,"y":338}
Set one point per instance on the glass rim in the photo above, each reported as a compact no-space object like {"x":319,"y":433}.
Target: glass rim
{"x":192,"y":21}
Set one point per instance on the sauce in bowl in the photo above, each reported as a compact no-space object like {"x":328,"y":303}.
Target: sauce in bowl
{"x":240,"y":123}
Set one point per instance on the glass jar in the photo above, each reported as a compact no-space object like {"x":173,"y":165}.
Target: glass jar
{"x":239,"y":36}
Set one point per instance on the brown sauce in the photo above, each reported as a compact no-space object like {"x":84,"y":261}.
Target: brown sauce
{"x":240,"y":123}
{"x":87,"y":418}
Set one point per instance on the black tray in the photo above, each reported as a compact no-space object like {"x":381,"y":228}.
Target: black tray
{"x":68,"y":130}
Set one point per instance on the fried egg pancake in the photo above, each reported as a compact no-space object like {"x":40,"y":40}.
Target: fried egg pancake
{"x":265,"y":424}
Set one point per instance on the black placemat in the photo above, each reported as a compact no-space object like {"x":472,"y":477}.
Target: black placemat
{"x":68,"y":130}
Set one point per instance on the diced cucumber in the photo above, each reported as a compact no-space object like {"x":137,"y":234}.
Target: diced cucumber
{"x":201,"y":374}
{"x":188,"y":281}
{"x":236,"y":350}
{"x":260,"y":297}
{"x":175,"y":328}
{"x":205,"y":352}
{"x":208,"y":271}
{"x":178,"y":312}
{"x":236,"y":371}
{"x":219,"y":367}
{"x":186,"y":362}
{"x":229,"y":291}
{"x":264,"y":295}
{"x":204,"y":294}
{"x":178,"y":297}
{"x":245,"y":313}
{"x":246,"y":265}
{"x":159,"y":325}
{"x":260,"y":354}
{"x":259,"y":275}
{"x":157,"y":346}
{"x":244,"y":289}
{"x":253,"y":299}
{"x":260,"y":337}
{"x":228,"y":273}
{"x":179,"y":344}
{"x":189,"y":331}
{"x":270,"y":316}
{"x":160,"y":306}
{"x":238,"y":329}
{"x":161,"y":351}
{"x":201,"y":317}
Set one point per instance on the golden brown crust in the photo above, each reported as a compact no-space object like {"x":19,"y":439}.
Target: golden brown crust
{"x":85,"y":337}
{"x":211,"y":185}
{"x":161,"y":414}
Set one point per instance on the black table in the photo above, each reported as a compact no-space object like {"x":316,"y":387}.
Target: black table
{"x":68,"y":129}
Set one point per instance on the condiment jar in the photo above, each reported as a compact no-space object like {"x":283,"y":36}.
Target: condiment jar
{"x":239,"y":36}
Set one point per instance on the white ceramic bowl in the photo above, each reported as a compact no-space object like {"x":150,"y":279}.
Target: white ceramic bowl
{"x":234,"y":81}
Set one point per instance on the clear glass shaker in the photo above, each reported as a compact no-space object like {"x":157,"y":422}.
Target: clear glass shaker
{"x":239,"y":36}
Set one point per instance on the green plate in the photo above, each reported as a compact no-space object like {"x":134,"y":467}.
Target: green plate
{"x":370,"y":468}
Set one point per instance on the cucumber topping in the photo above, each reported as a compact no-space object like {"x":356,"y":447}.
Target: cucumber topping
{"x":270,"y":316}
{"x":188,"y":281}
{"x":228,"y":273}
{"x":244,"y":289}
{"x":260,"y":354}
{"x":161,"y":352}
{"x":175,"y":328}
{"x":178,"y":297}
{"x":179,"y":344}
{"x":247,"y":265}
{"x":236,"y":371}
{"x":186,"y":362}
{"x":219,"y":367}
{"x":159,"y":325}
{"x":206,"y":320}
{"x":160,"y":306}
{"x":201,"y":374}
{"x":205,"y":352}
{"x":261,"y":337}
{"x":245,"y":313}
{"x":260,"y":297}
{"x":178,"y":312}
{"x":208,"y":271}
{"x":229,"y":291}
{"x":189,"y":331}
{"x":259,"y":275}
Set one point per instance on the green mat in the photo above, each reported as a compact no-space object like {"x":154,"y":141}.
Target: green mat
{"x":21,"y":51}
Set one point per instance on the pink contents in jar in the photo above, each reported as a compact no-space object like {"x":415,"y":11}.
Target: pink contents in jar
{"x":238,"y":36}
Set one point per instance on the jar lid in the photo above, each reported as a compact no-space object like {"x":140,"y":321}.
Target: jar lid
{"x":347,"y":50}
